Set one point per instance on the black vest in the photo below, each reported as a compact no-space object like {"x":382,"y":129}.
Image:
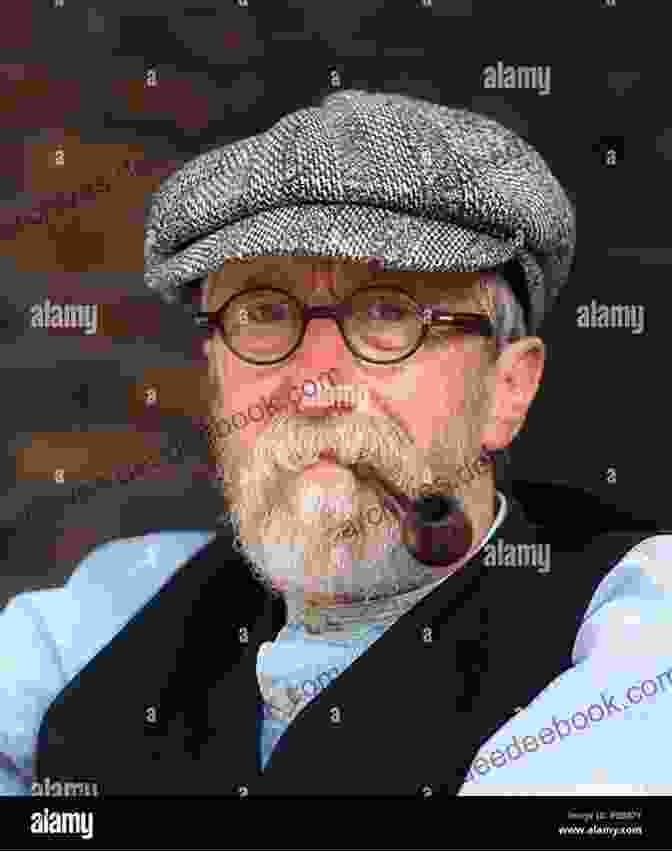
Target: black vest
{"x":410,"y":713}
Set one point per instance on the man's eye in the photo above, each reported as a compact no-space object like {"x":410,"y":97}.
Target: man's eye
{"x":383,"y":312}
{"x":389,"y":312}
{"x":263,"y":313}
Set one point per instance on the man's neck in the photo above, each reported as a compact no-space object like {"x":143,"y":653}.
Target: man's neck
{"x":326,"y":617}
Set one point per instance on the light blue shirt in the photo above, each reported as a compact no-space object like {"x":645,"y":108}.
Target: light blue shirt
{"x":48,"y":636}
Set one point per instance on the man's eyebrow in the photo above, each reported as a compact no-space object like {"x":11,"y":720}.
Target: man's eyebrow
{"x":222,"y":287}
{"x":261,"y":277}
{"x":292,"y":279}
{"x":449,"y":286}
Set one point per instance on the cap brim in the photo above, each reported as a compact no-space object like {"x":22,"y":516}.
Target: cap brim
{"x":403,"y":242}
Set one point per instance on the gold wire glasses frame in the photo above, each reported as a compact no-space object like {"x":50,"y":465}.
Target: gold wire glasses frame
{"x":464,"y":323}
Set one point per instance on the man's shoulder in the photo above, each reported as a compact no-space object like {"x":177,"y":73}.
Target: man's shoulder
{"x":151,"y":557}
{"x":574,"y":517}
{"x":107,"y":588}
{"x":606,"y":716}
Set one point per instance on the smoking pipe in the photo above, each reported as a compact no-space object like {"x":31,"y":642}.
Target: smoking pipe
{"x":434,"y":528}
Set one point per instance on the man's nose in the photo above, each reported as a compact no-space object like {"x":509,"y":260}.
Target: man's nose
{"x":323,"y":341}
{"x":342,"y":399}
{"x":323,"y":352}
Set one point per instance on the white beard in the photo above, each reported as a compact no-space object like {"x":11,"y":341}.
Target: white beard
{"x":282,"y":566}
{"x":290,"y":527}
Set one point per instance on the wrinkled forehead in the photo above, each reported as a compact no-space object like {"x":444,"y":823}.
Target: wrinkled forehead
{"x":314,"y":278}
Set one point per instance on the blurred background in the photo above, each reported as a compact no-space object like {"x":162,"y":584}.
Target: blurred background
{"x":99,"y":103}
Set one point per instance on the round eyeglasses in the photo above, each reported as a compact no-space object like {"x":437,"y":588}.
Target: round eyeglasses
{"x":381,"y":325}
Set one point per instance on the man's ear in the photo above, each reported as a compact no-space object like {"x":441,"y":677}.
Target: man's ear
{"x":517,"y":378}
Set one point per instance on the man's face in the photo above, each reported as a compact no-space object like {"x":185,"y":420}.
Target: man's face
{"x":424,"y":422}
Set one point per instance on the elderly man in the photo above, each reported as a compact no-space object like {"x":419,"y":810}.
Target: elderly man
{"x":324,"y":641}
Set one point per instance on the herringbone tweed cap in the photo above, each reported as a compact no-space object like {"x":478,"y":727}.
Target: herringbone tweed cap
{"x":420,"y":186}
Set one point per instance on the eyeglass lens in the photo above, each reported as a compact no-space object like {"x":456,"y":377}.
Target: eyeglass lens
{"x":264,"y":325}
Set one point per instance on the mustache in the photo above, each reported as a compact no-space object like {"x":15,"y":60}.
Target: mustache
{"x":356,"y":441}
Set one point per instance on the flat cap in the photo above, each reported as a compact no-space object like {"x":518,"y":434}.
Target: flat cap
{"x":420,"y":186}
